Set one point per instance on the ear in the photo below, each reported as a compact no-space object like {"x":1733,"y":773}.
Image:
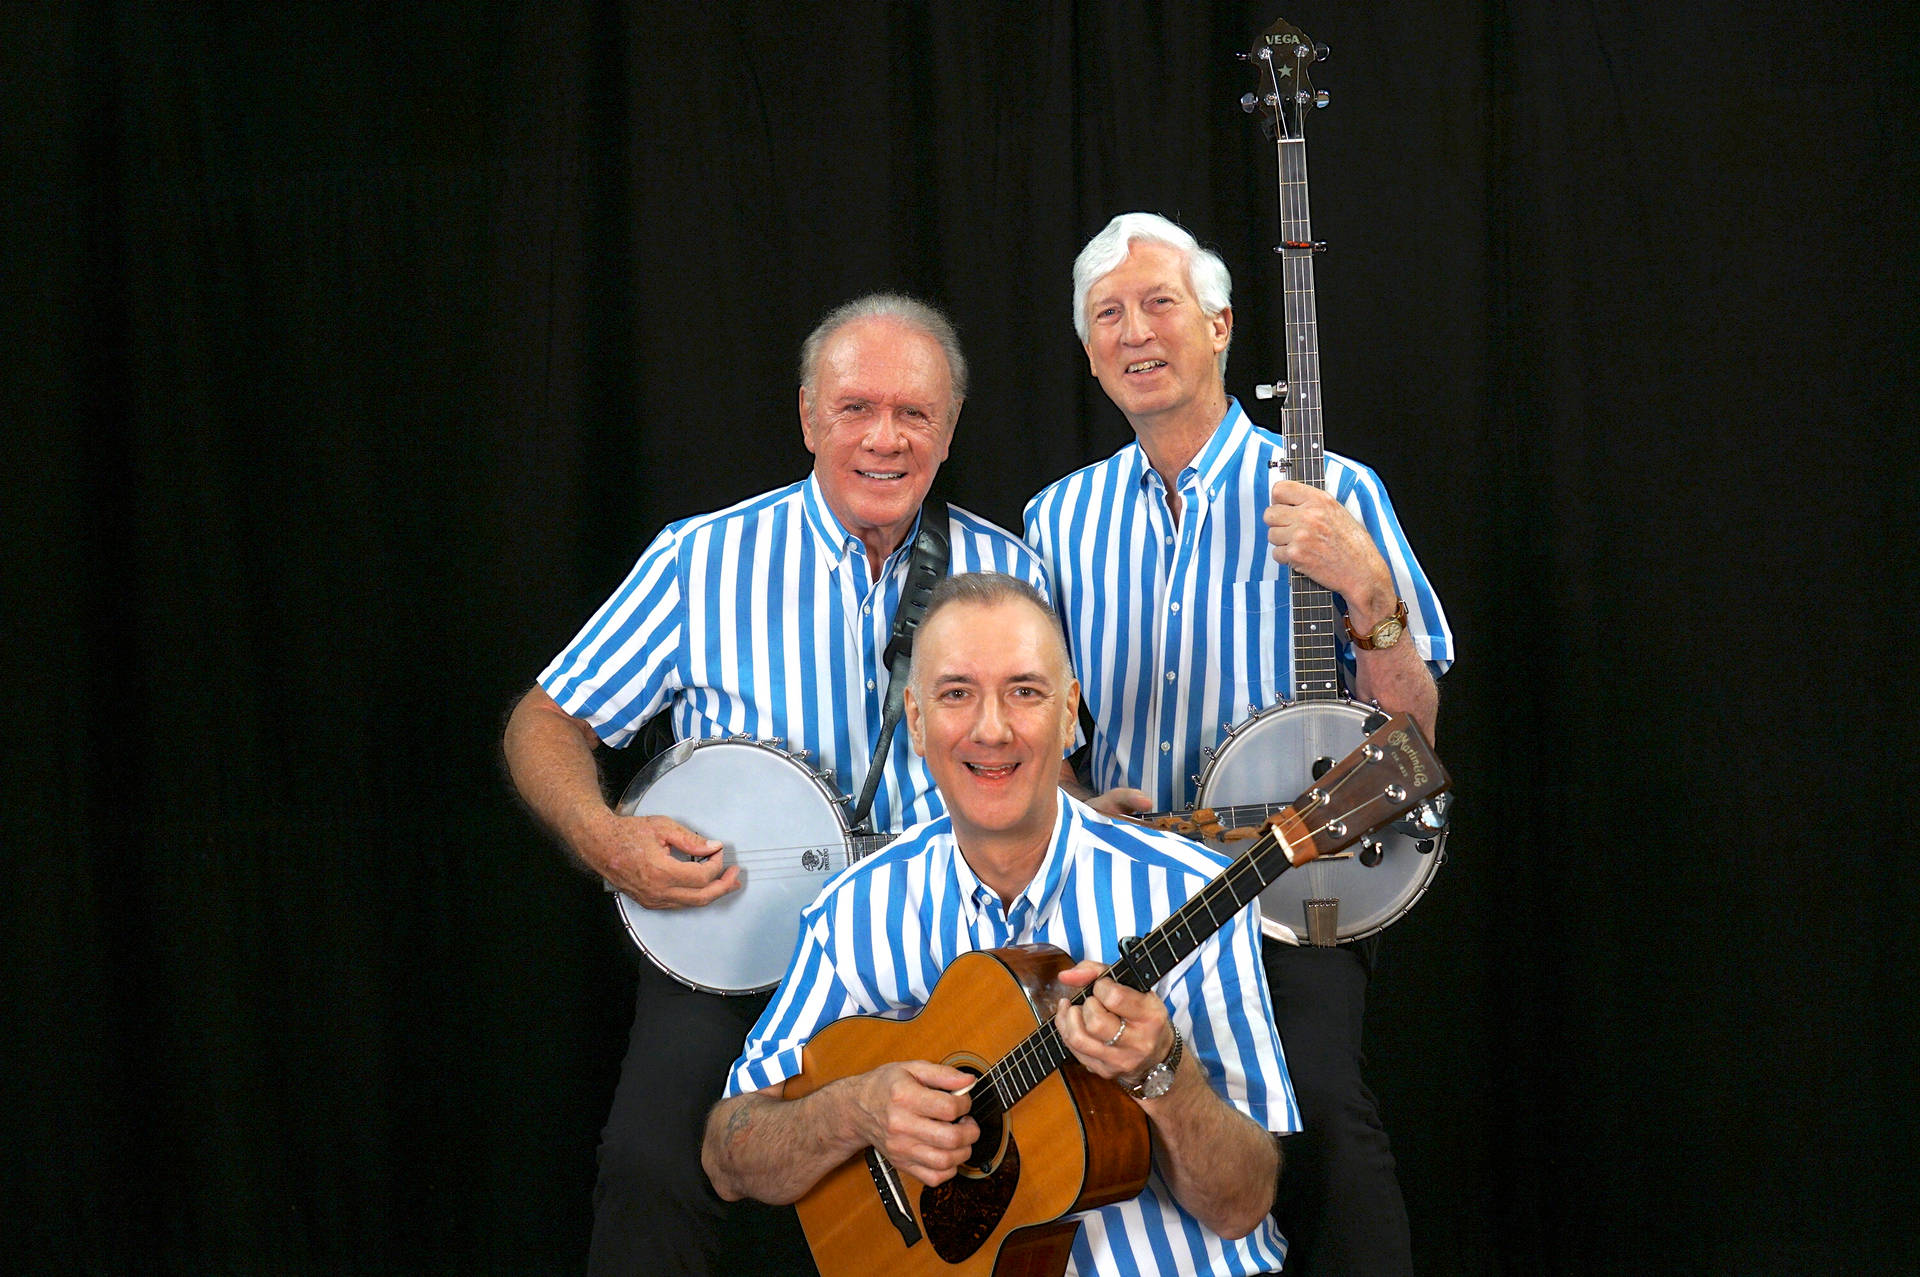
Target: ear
{"x":1073,"y":717}
{"x":1222,"y":329}
{"x":916,"y":726}
{"x":1091,"y":366}
{"x":806,"y":421}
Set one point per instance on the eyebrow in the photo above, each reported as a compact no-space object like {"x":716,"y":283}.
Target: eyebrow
{"x":1028,"y":676}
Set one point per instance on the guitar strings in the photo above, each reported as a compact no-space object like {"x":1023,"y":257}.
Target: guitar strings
{"x":1043,"y":1051}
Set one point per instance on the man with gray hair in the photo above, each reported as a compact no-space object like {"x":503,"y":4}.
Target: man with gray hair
{"x":1179,"y":620}
{"x":770,"y":619}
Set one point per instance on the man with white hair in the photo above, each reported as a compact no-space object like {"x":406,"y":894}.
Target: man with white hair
{"x":1178,"y":620}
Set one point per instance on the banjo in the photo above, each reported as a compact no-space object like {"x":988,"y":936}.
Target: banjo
{"x":778,"y":819}
{"x":1288,"y":746}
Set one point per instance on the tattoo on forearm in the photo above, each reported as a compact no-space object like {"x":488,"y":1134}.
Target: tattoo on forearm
{"x":738,"y":1121}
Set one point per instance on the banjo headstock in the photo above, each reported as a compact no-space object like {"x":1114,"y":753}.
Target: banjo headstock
{"x":1281,"y":56}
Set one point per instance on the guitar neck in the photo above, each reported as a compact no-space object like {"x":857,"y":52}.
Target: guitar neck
{"x":1143,"y":962}
{"x":862,"y":845}
{"x":1316,"y":664}
{"x":1391,"y":772}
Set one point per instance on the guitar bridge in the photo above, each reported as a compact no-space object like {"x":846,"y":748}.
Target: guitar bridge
{"x":893,"y":1196}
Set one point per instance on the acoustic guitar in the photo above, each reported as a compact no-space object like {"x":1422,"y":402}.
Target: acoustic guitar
{"x":1056,"y":1139}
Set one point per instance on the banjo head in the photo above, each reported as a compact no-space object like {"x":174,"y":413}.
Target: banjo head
{"x":1271,"y":758}
{"x":777,"y":820}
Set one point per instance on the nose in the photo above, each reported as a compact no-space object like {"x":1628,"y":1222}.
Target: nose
{"x":883,"y":432}
{"x":991,"y":725}
{"x":1134,"y":326}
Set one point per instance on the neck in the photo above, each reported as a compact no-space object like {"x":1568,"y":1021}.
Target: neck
{"x":879,"y":550}
{"x":1006,"y":860}
{"x":881,"y":543}
{"x":1172,"y":442}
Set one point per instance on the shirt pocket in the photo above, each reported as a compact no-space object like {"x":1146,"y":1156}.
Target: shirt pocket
{"x":1250,"y":646}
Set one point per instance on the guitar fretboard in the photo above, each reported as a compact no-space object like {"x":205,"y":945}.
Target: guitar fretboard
{"x":1142,"y":964}
{"x":1316,"y":664}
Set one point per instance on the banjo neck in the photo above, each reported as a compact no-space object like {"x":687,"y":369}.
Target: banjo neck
{"x":1283,"y":55}
{"x":862,"y":845}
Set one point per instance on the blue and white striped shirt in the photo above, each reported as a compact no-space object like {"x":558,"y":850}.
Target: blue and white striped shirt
{"x":762,"y":620}
{"x":1177,"y":630}
{"x":883,"y":929}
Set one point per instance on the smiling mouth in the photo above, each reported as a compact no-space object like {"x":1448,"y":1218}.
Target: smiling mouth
{"x":1146,"y":365}
{"x":1000,"y":772}
{"x":887,"y":476}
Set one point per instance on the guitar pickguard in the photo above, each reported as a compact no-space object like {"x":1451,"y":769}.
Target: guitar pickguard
{"x":959,"y":1215}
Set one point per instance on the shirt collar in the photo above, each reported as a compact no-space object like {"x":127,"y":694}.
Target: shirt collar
{"x":1041,"y":894}
{"x":835,"y":542}
{"x":1210,"y":465}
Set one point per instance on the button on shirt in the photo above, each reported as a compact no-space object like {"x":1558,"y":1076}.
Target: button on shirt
{"x":885,"y":928}
{"x":1180,"y":631}
{"x":763,"y":620}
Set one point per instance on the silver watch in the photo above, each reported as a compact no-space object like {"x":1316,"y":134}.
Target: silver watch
{"x":1159,"y":1078}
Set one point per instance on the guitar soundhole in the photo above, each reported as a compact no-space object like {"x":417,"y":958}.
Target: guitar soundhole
{"x":990,"y":1147}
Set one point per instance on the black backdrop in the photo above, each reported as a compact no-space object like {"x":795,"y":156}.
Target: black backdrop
{"x":354,"y":350}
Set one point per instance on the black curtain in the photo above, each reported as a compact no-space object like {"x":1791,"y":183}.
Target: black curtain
{"x":354,"y":351}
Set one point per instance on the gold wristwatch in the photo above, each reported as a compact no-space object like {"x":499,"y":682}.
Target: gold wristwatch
{"x":1383,"y":635}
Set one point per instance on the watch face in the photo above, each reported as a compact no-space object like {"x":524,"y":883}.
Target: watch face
{"x":1158,"y":1082}
{"x":1387,"y":633}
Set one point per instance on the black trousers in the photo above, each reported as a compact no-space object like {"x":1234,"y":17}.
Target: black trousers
{"x":653,"y":1210}
{"x":1339,"y":1204}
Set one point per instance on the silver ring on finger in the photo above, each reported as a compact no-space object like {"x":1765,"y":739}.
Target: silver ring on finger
{"x":1117,"y":1032}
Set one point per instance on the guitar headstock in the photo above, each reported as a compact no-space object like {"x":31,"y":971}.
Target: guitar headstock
{"x":1392,"y":772}
{"x":1281,"y":56}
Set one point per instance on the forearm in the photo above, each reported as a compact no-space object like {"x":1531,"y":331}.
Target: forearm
{"x":550,"y":756}
{"x":1218,"y":1162}
{"x":1399,"y":681}
{"x":773,"y":1150}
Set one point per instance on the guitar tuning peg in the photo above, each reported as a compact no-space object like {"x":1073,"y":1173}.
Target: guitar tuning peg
{"x":1249,"y":102}
{"x":1321,"y":52}
{"x":1320,"y":98}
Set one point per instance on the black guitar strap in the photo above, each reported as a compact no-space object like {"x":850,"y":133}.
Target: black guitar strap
{"x":932,"y":551}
